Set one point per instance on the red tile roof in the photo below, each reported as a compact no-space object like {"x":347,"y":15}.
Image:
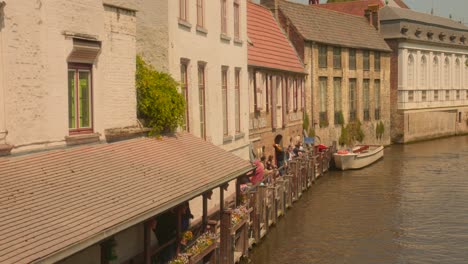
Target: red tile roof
{"x":358,"y":7}
{"x":53,"y":204}
{"x":354,"y":8}
{"x":270,"y":48}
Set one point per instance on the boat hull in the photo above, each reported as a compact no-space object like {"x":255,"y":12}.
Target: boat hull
{"x":352,"y":161}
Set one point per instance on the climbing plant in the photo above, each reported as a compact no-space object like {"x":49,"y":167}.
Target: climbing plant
{"x":379,"y":130}
{"x":351,"y":133}
{"x":160,"y":106}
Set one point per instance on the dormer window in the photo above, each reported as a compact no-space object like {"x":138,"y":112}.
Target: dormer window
{"x":430,"y":34}
{"x":418,"y":32}
{"x":404,"y":30}
{"x":442,"y":36}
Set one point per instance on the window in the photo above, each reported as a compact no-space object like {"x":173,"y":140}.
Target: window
{"x":323,"y":101}
{"x":458,"y":94}
{"x":337,"y":58}
{"x":447,"y":73}
{"x":236,"y":19}
{"x":201,"y":13}
{"x":322,"y":56}
{"x":459,"y":117}
{"x":424,"y":96}
{"x":410,"y":71}
{"x":377,"y":99}
{"x":377,"y":61}
{"x":410,"y":96}
{"x":184,"y":88}
{"x":366,"y":99}
{"x":366,"y":60}
{"x":295,"y":95}
{"x":337,"y":102}
{"x":80,"y":98}
{"x":458,"y":82}
{"x":224,"y":17}
{"x":183,"y":10}
{"x":466,"y":74}
{"x":201,"y":99}
{"x":267,"y":92}
{"x":435,"y":73}
{"x":423,"y":81}
{"x":352,"y":59}
{"x":237,"y":99}
{"x":224,"y":84}
{"x":352,"y":100}
{"x":447,"y":95}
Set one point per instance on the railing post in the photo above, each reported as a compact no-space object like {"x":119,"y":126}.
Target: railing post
{"x":226,"y":245}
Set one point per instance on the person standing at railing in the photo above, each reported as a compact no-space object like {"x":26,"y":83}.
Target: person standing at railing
{"x":280,"y":161}
{"x":259,"y":171}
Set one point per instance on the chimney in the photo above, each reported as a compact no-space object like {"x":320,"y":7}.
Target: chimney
{"x":372,"y":15}
{"x":313,"y":2}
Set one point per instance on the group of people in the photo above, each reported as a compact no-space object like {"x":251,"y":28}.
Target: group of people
{"x":265,"y":165}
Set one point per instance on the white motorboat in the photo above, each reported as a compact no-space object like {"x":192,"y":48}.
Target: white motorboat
{"x":360,"y":157}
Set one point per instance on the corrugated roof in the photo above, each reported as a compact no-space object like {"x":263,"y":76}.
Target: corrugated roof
{"x":270,"y":48}
{"x":59,"y":200}
{"x":356,"y":8}
{"x":331,"y":27}
{"x":393,"y":13}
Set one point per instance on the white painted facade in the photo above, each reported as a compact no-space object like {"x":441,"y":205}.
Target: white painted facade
{"x":432,"y":77}
{"x":36,"y":41}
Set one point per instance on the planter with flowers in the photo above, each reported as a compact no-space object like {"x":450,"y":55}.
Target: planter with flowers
{"x":239,"y":217}
{"x":200,"y":248}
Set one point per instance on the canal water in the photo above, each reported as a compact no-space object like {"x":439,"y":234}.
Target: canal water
{"x":410,"y":207}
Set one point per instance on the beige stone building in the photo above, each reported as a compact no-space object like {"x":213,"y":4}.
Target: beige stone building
{"x":429,"y":82}
{"x":204,"y":45}
{"x":66,"y":72}
{"x":348,"y":63}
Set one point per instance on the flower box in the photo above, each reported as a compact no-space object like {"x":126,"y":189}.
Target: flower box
{"x":196,"y":258}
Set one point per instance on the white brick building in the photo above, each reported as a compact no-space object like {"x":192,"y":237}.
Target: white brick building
{"x":46,"y":48}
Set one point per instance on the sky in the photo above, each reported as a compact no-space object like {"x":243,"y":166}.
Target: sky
{"x":458,"y":8}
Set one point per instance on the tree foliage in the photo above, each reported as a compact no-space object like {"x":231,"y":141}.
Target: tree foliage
{"x":379,"y":130}
{"x":351,"y":133}
{"x":160,"y":105}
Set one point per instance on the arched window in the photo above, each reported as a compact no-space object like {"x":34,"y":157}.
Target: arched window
{"x":466,"y":75}
{"x":423,"y":75}
{"x":457,"y":73}
{"x":447,"y":73}
{"x":410,"y":71}
{"x":435,"y":73}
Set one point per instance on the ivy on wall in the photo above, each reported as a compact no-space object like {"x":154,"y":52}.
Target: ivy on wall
{"x":160,"y":106}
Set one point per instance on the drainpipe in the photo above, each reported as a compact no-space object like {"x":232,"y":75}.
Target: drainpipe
{"x":312,"y":84}
{"x":3,"y":130}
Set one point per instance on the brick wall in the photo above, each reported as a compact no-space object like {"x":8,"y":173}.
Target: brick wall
{"x":397,"y":119}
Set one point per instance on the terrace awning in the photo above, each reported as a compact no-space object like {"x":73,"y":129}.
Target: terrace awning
{"x":56,"y":203}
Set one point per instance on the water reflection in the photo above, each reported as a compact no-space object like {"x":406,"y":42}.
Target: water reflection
{"x":411,"y":207}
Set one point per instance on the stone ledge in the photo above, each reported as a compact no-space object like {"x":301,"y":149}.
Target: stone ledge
{"x":225,"y":37}
{"x":184,"y":23}
{"x":227,"y":139}
{"x":80,"y":139}
{"x":240,"y":135}
{"x":238,"y":41}
{"x":202,"y":30}
{"x":5,"y":149}
{"x":119,"y":134}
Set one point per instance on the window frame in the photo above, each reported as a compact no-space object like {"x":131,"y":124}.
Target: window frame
{"x":323,"y":95}
{"x":184,"y":64}
{"x":352,"y":97}
{"x":352,"y":58}
{"x":377,"y":98}
{"x":337,"y":94}
{"x":224,"y":11}
{"x":237,"y":19}
{"x":366,"y":60}
{"x":323,"y":56}
{"x":183,"y":10}
{"x":76,"y":67}
{"x":337,"y":58}
{"x":366,"y":99}
{"x":224,"y":98}
{"x":377,"y":61}
{"x":202,"y":98}
{"x":201,"y":13}
{"x":237,"y":81}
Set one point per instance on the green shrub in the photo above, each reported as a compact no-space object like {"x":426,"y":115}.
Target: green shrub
{"x":351,"y":133}
{"x":379,"y":130}
{"x":160,"y":105}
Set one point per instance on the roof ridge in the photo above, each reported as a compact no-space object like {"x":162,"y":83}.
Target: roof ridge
{"x":324,"y":9}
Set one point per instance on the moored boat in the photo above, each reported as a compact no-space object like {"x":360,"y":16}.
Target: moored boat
{"x":360,"y":157}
